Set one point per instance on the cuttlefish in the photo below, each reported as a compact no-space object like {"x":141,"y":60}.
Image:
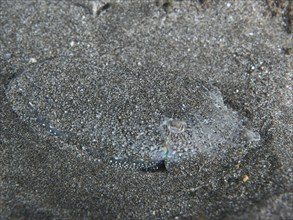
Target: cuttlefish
{"x":137,"y":117}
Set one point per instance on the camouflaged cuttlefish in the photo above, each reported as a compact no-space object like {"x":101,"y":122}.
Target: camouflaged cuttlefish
{"x":141,"y":118}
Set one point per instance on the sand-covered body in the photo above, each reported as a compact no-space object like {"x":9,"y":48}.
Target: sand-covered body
{"x":128,"y":113}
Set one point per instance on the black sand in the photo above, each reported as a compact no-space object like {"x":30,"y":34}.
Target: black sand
{"x":244,"y":48}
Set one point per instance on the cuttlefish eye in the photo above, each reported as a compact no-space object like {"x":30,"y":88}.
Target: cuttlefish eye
{"x":176,"y":126}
